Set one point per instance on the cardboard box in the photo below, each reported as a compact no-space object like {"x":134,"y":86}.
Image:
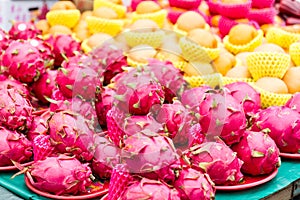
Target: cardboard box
{"x":18,"y":11}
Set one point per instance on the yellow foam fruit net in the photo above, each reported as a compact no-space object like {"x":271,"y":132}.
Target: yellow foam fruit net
{"x":228,"y":80}
{"x":119,"y":9}
{"x":181,"y":33}
{"x":101,"y":25}
{"x":212,"y":80}
{"x":235,"y":49}
{"x":153,"y":39}
{"x":271,"y":64}
{"x":295,"y":53}
{"x":67,"y":18}
{"x":85,"y":47}
{"x":281,"y":37}
{"x":191,"y":51}
{"x":159,"y":17}
{"x":271,"y":99}
{"x":133,"y":63}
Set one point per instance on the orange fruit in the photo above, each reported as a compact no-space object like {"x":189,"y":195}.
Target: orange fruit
{"x":60,"y":29}
{"x":105,"y":12}
{"x":224,"y":63}
{"x":43,"y":25}
{"x":272,"y":84}
{"x":242,"y":34}
{"x":147,"y":7}
{"x":203,"y":38}
{"x":63,"y":5}
{"x":190,"y":20}
{"x":292,"y":79}
{"x":238,"y":72}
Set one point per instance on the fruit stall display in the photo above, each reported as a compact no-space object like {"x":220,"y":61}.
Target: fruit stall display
{"x":155,"y":100}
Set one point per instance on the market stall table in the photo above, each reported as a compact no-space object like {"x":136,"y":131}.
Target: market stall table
{"x":282,"y":187}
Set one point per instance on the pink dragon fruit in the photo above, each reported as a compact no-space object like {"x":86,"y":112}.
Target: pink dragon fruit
{"x":217,"y":160}
{"x":120,"y":127}
{"x":71,"y":134}
{"x":106,"y":156}
{"x":193,"y":184}
{"x":15,"y":110}
{"x":145,"y":97}
{"x":4,"y":40}
{"x":14,"y":147}
{"x":294,"y":102}
{"x":45,"y":50}
{"x":23,"y":61}
{"x":103,"y":103}
{"x":64,"y":47}
{"x":146,"y":152}
{"x":45,"y":85}
{"x":246,"y":95}
{"x":173,"y":117}
{"x":286,"y":134}
{"x":42,"y":147}
{"x":111,"y":60}
{"x":191,"y":98}
{"x":150,"y":190}
{"x":258,"y":152}
{"x":169,"y":77}
{"x":73,"y":79}
{"x":119,"y":181}
{"x":23,"y":30}
{"x":222,"y":115}
{"x":170,"y":173}
{"x":39,"y":125}
{"x":60,"y":175}
{"x":11,"y":83}
{"x":195,"y":135}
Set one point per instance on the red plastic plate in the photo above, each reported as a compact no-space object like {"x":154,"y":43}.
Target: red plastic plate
{"x":98,"y":193}
{"x":249,"y":182}
{"x":295,"y":156}
{"x":12,"y":167}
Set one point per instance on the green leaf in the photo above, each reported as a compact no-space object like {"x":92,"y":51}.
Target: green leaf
{"x":257,"y":154}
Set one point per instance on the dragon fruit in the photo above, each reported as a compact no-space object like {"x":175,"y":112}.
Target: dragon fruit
{"x":106,"y":156}
{"x":11,"y":83}
{"x":42,"y":147}
{"x":64,"y":47}
{"x":258,"y":152}
{"x":119,"y":181}
{"x":222,"y":115}
{"x":70,"y":133}
{"x":170,"y":173}
{"x":217,"y":160}
{"x":45,"y":50}
{"x":195,"y":135}
{"x":169,"y":77}
{"x":193,"y":184}
{"x":45,"y":85}
{"x":23,"y":30}
{"x":15,"y":110}
{"x":191,"y":98}
{"x":120,"y":127}
{"x":145,"y":97}
{"x":111,"y":60}
{"x":103,"y":103}
{"x":146,"y":152}
{"x":246,"y":95}
{"x":60,"y":175}
{"x":23,"y":61}
{"x":294,"y":102}
{"x":150,"y":190}
{"x":73,"y":79}
{"x":4,"y":40}
{"x":14,"y":147}
{"x":286,"y":134}
{"x":39,"y":125}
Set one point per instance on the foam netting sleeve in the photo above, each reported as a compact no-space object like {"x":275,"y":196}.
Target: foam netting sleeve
{"x":101,"y":25}
{"x":271,"y":99}
{"x":235,"y":49}
{"x":295,"y":53}
{"x":85,"y":47}
{"x":159,"y":17}
{"x":281,"y":37}
{"x":67,"y":18}
{"x":234,"y":10}
{"x":119,"y":9}
{"x":271,"y":64}
{"x":153,"y":39}
{"x":191,"y":51}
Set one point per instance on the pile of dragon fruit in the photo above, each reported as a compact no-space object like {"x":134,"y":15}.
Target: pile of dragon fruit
{"x":88,"y":117}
